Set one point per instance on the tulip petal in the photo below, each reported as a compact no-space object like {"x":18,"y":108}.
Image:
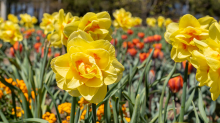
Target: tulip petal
{"x":87,"y":92}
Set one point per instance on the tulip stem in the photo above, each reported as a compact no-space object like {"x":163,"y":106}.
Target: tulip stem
{"x":93,"y":113}
{"x":182,"y":111}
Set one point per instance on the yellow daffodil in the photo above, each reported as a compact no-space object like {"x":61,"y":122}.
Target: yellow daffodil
{"x":185,"y":37}
{"x":160,"y":21}
{"x":167,"y":22}
{"x":151,"y":22}
{"x":58,"y":38}
{"x":27,"y":20}
{"x":137,"y":21}
{"x":48,"y":21}
{"x":87,"y":68}
{"x":96,"y":25}
{"x":13,"y":18}
{"x":123,"y":19}
{"x":10,"y":32}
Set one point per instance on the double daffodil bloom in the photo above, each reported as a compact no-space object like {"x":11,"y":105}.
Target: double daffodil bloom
{"x":58,"y":38}
{"x":87,"y":68}
{"x":160,"y":21}
{"x":137,"y":21}
{"x":167,"y":22}
{"x":151,"y":22}
{"x":48,"y":21}
{"x":10,"y":32}
{"x":96,"y":25}
{"x":13,"y":18}
{"x":123,"y":19}
{"x":27,"y":20}
{"x":185,"y":37}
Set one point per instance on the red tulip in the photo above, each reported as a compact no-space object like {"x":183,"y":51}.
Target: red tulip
{"x":124,"y":37}
{"x":132,"y":51}
{"x":141,"y":35}
{"x":130,"y":32}
{"x":175,"y":84}
{"x":157,"y":37}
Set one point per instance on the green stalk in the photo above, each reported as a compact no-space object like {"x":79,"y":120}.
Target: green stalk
{"x":162,"y":94}
{"x":93,"y":113}
{"x":73,"y":108}
{"x":183,"y":100}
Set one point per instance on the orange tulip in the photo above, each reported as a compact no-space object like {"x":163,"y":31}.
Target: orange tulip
{"x":175,"y":84}
{"x":124,"y":37}
{"x":12,"y":52}
{"x":130,"y":32}
{"x":132,"y":51}
{"x":42,"y":52}
{"x":157,"y":37}
{"x":141,"y":35}
{"x":156,"y":53}
{"x":149,"y":39}
{"x":114,"y":41}
{"x":128,"y":44}
{"x":158,"y":46}
{"x":17,"y":46}
{"x":38,"y":38}
{"x":140,"y":45}
{"x":135,"y":41}
{"x":190,"y":67}
{"x":37,"y":46}
{"x":56,"y":54}
{"x":143,"y":56}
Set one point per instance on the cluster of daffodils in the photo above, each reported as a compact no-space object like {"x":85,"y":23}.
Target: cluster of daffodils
{"x":61,"y":25}
{"x":198,"y":42}
{"x":90,"y":63}
{"x":10,"y":30}
{"x":161,"y":21}
{"x":125,"y":20}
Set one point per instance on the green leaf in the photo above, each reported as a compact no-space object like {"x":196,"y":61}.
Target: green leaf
{"x":201,"y":108}
{"x":162,"y":95}
{"x":166,"y":104}
{"x":115,"y":112}
{"x":3,"y":117}
{"x":136,"y":114}
{"x":107,"y":112}
{"x":127,"y":97}
{"x":189,"y":101}
{"x":174,"y":110}
{"x":194,"y":108}
{"x":146,"y":60}
{"x":58,"y":114}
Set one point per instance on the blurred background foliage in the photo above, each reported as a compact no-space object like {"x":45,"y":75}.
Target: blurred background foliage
{"x":140,"y":8}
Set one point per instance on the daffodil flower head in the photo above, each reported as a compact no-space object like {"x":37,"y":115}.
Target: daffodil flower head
{"x":160,"y":21}
{"x":96,"y":25}
{"x":10,"y":32}
{"x":27,"y":20}
{"x":13,"y":18}
{"x":87,"y":68}
{"x":136,"y":21}
{"x":185,"y":37}
{"x":123,"y":19}
{"x":167,"y":22}
{"x":151,"y":22}
{"x":58,"y":37}
{"x":47,"y":23}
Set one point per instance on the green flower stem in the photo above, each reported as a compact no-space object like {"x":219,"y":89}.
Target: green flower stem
{"x":93,"y":113}
{"x":73,"y":108}
{"x":182,"y":111}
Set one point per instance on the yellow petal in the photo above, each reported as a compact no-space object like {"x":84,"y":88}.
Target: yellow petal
{"x":86,"y":19}
{"x":104,"y":23}
{"x":214,"y":31}
{"x":206,"y":21}
{"x":110,"y":75}
{"x":100,"y":95}
{"x":171,"y":28}
{"x":103,"y":15}
{"x":55,"y":39}
{"x":104,"y":45}
{"x":188,"y":20}
{"x":87,"y":92}
{"x":74,"y":93}
{"x":119,"y":69}
{"x":80,"y":34}
{"x":70,"y":28}
{"x":78,"y":42}
{"x":60,"y":81}
{"x":73,"y":79}
{"x":94,"y":82}
{"x":101,"y":57}
{"x":61,"y":64}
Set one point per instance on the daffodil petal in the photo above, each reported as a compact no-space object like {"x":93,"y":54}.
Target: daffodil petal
{"x":87,"y":92}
